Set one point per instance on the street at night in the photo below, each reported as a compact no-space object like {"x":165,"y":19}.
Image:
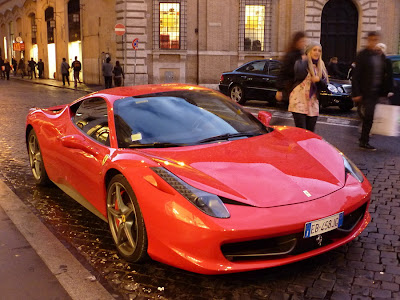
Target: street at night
{"x":366,"y":268}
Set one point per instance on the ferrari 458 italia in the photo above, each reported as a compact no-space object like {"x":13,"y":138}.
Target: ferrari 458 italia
{"x":185,"y":176}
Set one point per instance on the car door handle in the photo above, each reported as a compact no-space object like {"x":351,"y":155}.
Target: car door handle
{"x":266,"y":79}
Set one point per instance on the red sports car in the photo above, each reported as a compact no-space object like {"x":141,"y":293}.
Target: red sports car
{"x":187,"y":177}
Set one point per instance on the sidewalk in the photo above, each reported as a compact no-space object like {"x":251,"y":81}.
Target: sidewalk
{"x":56,"y":83}
{"x":34,"y":264}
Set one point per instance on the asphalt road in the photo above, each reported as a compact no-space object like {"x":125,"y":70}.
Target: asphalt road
{"x":367,"y":268}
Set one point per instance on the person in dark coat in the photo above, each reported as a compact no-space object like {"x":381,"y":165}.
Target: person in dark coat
{"x":107,"y":69}
{"x":77,"y":67}
{"x":7,"y":69}
{"x":32,"y":68}
{"x":65,"y":71}
{"x":40,"y":66}
{"x":367,"y":84}
{"x":118,"y":74}
{"x":285,"y":79}
{"x":14,"y":65}
{"x":2,"y":68}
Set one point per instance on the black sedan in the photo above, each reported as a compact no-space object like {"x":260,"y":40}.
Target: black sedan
{"x":256,"y":80}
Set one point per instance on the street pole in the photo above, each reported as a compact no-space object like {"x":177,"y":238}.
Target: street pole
{"x":134,"y":70}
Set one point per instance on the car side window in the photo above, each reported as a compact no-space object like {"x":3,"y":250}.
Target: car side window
{"x":396,"y":67}
{"x":91,"y":117}
{"x":254,"y":67}
{"x":273,"y":68}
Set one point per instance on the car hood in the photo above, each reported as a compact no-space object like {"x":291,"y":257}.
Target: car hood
{"x":284,"y":167}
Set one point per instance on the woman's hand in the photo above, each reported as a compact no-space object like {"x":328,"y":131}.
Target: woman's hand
{"x":315,"y":79}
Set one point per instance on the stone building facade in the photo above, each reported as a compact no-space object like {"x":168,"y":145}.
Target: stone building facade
{"x":190,"y":41}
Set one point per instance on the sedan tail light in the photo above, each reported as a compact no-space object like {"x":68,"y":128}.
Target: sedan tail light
{"x":222,"y":78}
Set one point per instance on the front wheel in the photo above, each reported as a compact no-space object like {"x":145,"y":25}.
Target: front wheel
{"x":237,"y":94}
{"x":36,"y":160}
{"x":126,"y":221}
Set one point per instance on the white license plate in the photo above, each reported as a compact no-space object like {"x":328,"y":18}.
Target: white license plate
{"x":323,"y":225}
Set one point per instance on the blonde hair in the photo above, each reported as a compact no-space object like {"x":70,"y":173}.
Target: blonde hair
{"x":321,"y":69}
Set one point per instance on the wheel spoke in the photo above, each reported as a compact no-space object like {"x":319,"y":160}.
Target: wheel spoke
{"x":120,"y":231}
{"x":114,"y":212}
{"x":128,"y":233}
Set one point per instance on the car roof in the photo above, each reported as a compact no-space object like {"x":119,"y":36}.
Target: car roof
{"x":393,"y":57}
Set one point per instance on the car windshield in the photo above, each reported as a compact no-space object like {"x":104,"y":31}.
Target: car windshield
{"x":178,"y":118}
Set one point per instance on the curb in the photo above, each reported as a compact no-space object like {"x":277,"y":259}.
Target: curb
{"x":77,"y":281}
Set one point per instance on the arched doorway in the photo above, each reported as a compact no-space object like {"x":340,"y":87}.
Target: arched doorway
{"x":339,"y":27}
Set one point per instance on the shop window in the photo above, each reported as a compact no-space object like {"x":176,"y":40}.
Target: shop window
{"x":170,"y":24}
{"x":33,"y":28}
{"x":255,"y":19}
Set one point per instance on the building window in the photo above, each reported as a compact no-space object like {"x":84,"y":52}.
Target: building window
{"x":169,"y":24}
{"x":49,"y":17}
{"x":74,"y":22}
{"x":33,"y":28}
{"x":255,"y":25}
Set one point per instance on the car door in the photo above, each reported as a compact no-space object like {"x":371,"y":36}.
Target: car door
{"x":273,"y":71}
{"x":85,"y":148}
{"x":253,"y":77}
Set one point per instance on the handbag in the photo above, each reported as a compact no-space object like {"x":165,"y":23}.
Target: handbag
{"x":386,"y":120}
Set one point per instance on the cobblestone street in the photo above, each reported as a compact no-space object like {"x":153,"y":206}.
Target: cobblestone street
{"x":367,"y":268}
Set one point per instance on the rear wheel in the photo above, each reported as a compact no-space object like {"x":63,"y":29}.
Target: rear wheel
{"x":126,"y":221}
{"x":36,"y":160}
{"x":237,"y":94}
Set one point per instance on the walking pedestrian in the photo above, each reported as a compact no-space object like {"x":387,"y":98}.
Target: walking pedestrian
{"x":14,"y":65}
{"x":65,"y":71}
{"x":32,"y":68}
{"x":285,"y":80}
{"x":107,"y":73}
{"x":310,"y":77}
{"x":40,"y":66}
{"x":7,"y":69}
{"x":367,"y":83}
{"x":118,"y":74}
{"x":77,"y":67}
{"x":2,"y":68}
{"x":21,"y":67}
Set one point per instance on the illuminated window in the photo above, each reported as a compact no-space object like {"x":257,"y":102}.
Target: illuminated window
{"x":169,"y":24}
{"x":255,"y":25}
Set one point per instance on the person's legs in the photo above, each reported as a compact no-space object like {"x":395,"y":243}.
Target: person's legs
{"x":63,"y":79}
{"x":368,"y":118}
{"x":299,"y":120}
{"x":310,"y":123}
{"x":8,"y":75}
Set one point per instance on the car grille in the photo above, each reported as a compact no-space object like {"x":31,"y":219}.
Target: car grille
{"x":289,"y":245}
{"x":347,"y":88}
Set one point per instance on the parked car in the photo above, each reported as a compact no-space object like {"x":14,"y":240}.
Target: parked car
{"x":188,"y":177}
{"x":396,"y":78}
{"x":256,"y":80}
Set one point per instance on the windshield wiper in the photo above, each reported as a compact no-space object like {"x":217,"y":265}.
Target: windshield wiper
{"x":156,"y":145}
{"x":226,"y":136}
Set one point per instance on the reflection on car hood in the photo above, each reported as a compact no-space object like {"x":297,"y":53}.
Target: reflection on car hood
{"x":284,"y":167}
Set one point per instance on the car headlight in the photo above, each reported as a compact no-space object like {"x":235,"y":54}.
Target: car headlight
{"x":340,"y":89}
{"x":332,"y":88}
{"x":352,"y":169}
{"x":208,"y":203}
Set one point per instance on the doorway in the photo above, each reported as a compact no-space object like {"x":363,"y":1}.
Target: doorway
{"x":51,"y":52}
{"x":75,"y":49}
{"x":339,"y":28}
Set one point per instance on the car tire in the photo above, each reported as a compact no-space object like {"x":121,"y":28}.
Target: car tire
{"x":236,"y":93}
{"x":126,"y":221}
{"x":36,"y":160}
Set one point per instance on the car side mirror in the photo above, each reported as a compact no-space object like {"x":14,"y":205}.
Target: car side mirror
{"x":264,"y":117}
